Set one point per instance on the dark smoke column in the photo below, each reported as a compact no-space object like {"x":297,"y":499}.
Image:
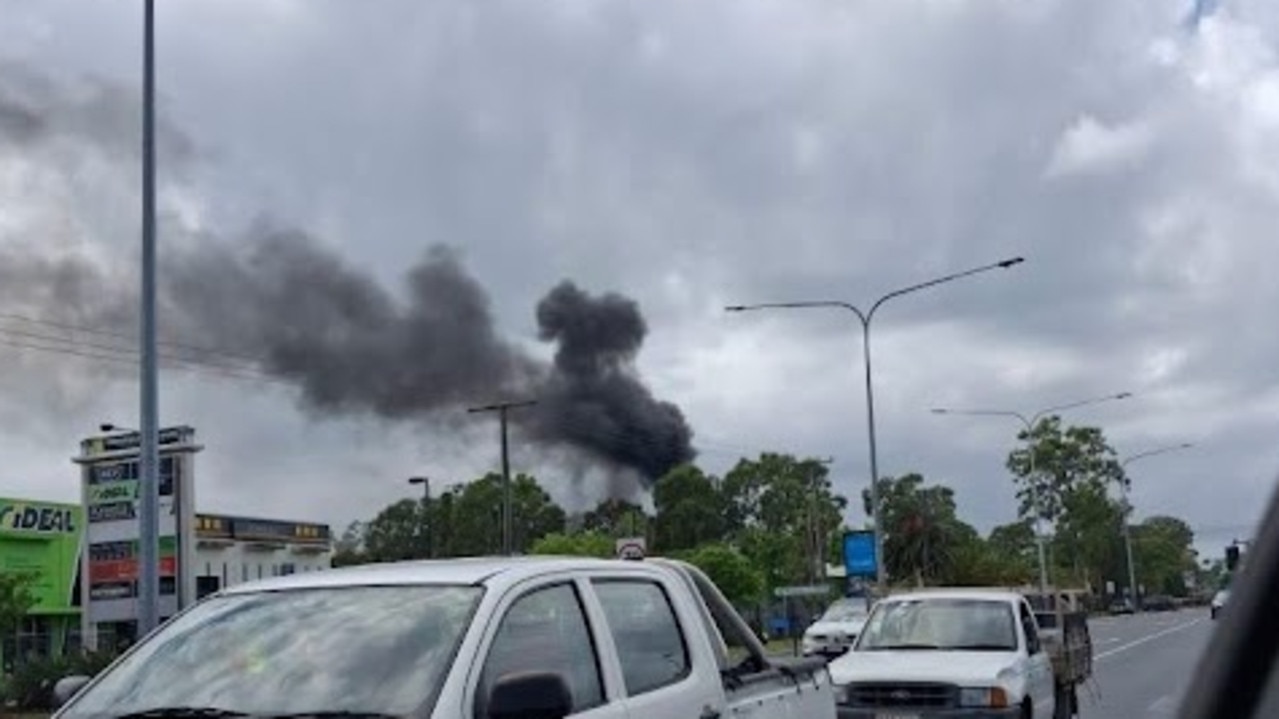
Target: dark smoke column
{"x":593,"y":398}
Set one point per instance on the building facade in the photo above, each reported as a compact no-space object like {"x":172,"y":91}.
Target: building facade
{"x":46,"y":541}
{"x":41,"y":540}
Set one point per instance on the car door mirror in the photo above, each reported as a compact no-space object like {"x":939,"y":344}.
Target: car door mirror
{"x":67,"y":687}
{"x":530,"y":695}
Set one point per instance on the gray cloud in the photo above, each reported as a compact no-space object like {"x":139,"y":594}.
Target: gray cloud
{"x":695,"y":155}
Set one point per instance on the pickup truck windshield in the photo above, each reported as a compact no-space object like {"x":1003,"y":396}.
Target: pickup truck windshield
{"x":371,"y":650}
{"x":940,"y":624}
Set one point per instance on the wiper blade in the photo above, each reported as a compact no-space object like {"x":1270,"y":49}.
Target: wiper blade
{"x":981,"y":648}
{"x":904,"y":647}
{"x":180,"y":712}
{"x":333,"y":714}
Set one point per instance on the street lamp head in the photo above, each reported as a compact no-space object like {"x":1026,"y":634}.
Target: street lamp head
{"x":106,"y":427}
{"x":418,"y":480}
{"x":1011,"y":261}
{"x":735,"y":308}
{"x":1123,"y":395}
{"x":939,"y":410}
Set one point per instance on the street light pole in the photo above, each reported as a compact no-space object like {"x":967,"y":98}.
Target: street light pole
{"x":1030,"y":423}
{"x":502,"y":408}
{"x":428,"y":547}
{"x":149,"y":456}
{"x":1127,"y":510}
{"x":865,"y":318}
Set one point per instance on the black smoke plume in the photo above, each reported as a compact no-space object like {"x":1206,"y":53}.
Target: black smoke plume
{"x":352,"y":346}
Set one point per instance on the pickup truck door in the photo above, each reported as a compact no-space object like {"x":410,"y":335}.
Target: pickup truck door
{"x":666,"y":664}
{"x":544,"y":628}
{"x":1039,"y":668}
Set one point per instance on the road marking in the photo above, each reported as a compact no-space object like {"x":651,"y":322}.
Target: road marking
{"x":1164,"y":705}
{"x":1147,"y":638}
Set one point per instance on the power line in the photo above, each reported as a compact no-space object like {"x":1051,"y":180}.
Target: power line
{"x":124,"y":335}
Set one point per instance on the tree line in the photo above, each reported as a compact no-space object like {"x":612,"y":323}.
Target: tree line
{"x":774,"y":520}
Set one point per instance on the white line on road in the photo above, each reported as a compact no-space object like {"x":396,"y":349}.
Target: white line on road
{"x":1147,"y":638}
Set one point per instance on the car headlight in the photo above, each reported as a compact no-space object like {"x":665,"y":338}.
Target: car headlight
{"x":994,"y":697}
{"x":841,"y":693}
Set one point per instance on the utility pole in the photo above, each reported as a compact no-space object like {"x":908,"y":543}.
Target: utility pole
{"x":502,"y":408}
{"x":148,"y":569}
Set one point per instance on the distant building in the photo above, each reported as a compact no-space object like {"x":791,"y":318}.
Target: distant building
{"x":46,"y":541}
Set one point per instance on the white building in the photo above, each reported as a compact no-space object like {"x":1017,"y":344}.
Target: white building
{"x":230,"y":550}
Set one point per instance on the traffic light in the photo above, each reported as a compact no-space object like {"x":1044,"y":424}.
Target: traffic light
{"x":1232,"y":557}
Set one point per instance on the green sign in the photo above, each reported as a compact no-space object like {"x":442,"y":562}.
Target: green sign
{"x":42,"y":539}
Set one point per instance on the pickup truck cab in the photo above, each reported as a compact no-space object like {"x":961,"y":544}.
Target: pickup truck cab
{"x":952,"y":653}
{"x":541,"y":638}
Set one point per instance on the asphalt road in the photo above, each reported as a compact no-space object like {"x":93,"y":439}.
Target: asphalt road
{"x":1143,"y":662}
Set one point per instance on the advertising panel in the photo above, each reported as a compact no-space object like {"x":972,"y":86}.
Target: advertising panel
{"x":111,"y":493}
{"x":42,"y":540}
{"x":860,"y":560}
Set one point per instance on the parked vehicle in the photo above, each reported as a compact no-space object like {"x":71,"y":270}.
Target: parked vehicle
{"x":499,"y":638}
{"x":1218,"y":602}
{"x":837,"y":628}
{"x":1122,"y":606}
{"x":963,"y":652}
{"x":1159,"y":603}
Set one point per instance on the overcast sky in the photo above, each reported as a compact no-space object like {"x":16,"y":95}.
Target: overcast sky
{"x":687,"y":155}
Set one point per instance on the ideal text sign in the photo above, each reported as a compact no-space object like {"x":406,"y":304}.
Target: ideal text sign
{"x":860,"y":559}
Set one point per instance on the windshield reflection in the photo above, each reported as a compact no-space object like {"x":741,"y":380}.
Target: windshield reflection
{"x":945,"y":624}
{"x":382,"y":650}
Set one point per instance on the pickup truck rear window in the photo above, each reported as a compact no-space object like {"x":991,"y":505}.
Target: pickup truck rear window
{"x":650,"y":644}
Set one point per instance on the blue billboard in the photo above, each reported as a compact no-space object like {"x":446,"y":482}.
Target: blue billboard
{"x":859,"y":554}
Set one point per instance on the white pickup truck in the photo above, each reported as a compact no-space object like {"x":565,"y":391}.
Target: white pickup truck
{"x":537,"y":638}
{"x":963,"y":654}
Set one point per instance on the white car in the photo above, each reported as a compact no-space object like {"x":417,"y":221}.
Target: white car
{"x":1219,"y":602}
{"x":837,"y":628}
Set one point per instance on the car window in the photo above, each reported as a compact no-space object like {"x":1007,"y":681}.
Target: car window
{"x":545,"y":631}
{"x":650,"y":644}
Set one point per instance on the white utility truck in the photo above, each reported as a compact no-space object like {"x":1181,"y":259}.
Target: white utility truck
{"x":964,"y":654}
{"x":537,"y":638}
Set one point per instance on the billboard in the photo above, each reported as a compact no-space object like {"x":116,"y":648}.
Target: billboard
{"x":48,"y":549}
{"x":111,"y":486}
{"x":860,"y":559}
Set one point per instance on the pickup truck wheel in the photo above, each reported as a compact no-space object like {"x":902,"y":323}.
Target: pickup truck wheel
{"x":1027,"y":710}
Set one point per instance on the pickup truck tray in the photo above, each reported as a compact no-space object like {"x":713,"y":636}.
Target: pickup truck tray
{"x":1068,"y":643}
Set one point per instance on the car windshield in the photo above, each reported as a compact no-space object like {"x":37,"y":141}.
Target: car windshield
{"x":847,"y":611}
{"x":947,"y":624}
{"x":380,"y":650}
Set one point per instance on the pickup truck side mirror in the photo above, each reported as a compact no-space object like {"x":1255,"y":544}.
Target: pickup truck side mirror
{"x":530,"y":695}
{"x":67,"y":688}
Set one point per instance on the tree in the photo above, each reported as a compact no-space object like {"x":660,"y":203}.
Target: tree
{"x":920,"y":527}
{"x":1064,"y":459}
{"x":617,"y":518}
{"x":580,"y":544}
{"x":784,"y":498}
{"x":733,"y":572}
{"x":1163,"y":554}
{"x":394,"y":534}
{"x":690,"y":510}
{"x":473,"y":525}
{"x":16,"y":599}
{"x":349,"y":548}
{"x":1089,"y":535}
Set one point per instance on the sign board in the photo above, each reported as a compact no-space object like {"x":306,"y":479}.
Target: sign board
{"x":809,"y":590}
{"x":631,"y":548}
{"x":860,"y":559}
{"x":49,"y":550}
{"x":110,"y":491}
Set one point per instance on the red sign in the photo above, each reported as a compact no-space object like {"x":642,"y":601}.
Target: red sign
{"x":125,"y":570}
